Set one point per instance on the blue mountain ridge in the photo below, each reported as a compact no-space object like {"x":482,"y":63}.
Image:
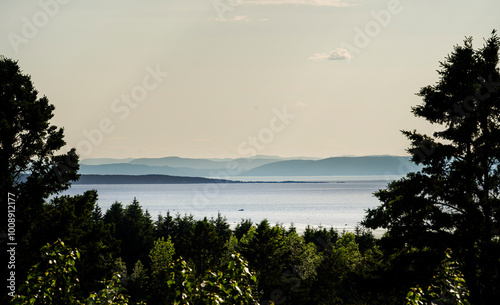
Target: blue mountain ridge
{"x":335,"y":166}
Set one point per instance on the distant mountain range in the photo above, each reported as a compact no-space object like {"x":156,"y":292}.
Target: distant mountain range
{"x":257,"y":166}
{"x":337,"y":166}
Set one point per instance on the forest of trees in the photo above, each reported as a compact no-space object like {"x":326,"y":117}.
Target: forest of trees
{"x":441,"y":246}
{"x":321,"y":266}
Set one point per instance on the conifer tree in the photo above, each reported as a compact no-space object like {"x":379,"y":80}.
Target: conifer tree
{"x":31,"y":165}
{"x":454,"y":201}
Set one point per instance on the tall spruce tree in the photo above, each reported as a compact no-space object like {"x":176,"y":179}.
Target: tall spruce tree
{"x":30,"y":167}
{"x":454,"y":201}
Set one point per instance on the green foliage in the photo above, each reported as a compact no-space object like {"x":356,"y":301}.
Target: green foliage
{"x":164,"y":225}
{"x":120,"y":268}
{"x":134,"y":231}
{"x":248,"y":237}
{"x":114,"y":215}
{"x":364,"y":238}
{"x":242,"y":228}
{"x":177,"y":283}
{"x":161,"y":259}
{"x":265,"y":253}
{"x":348,"y":276}
{"x":78,"y":221}
{"x":347,"y":252}
{"x":221,"y":227}
{"x":321,"y":237}
{"x":338,"y":263}
{"x":448,"y":286}
{"x":288,"y":270}
{"x":207,"y":246}
{"x":232,"y":245}
{"x":53,"y":280}
{"x":138,"y":282}
{"x":181,"y":284}
{"x":201,"y":242}
{"x":111,"y":294}
{"x":161,"y":254}
{"x":234,"y":284}
{"x":302,"y":258}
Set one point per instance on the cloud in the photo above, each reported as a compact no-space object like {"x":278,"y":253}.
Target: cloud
{"x":336,"y":3}
{"x":337,"y":54}
{"x":240,"y":18}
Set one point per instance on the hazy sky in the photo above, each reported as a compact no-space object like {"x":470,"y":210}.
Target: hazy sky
{"x":230,"y":78}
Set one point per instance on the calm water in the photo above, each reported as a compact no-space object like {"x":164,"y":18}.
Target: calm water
{"x":340,"y":203}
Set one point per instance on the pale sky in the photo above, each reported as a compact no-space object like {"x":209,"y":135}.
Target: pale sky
{"x":230,"y":78}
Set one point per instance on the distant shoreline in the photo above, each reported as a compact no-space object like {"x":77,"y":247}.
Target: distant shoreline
{"x":146,"y":179}
{"x":166,"y":179}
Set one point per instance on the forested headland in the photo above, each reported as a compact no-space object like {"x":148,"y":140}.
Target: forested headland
{"x":442,"y":223}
